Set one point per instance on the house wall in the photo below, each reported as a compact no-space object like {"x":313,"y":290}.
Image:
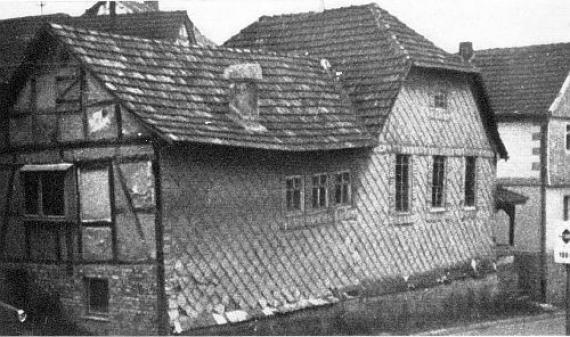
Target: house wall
{"x":558,"y":156}
{"x":232,"y":253}
{"x":522,"y":140}
{"x":109,"y":231}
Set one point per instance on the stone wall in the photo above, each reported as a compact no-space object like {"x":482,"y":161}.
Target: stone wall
{"x":49,"y":288}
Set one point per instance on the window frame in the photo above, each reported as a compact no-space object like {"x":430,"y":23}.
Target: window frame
{"x":68,"y":198}
{"x":348,"y":185}
{"x":300,"y":188}
{"x":89,"y":292}
{"x":320,"y":188}
{"x":441,"y":175}
{"x":470,"y":183}
{"x":407,"y":189}
{"x":439,"y":98}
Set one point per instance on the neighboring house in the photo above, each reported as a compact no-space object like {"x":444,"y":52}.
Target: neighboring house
{"x":17,"y":33}
{"x":528,"y":90}
{"x":153,"y":187}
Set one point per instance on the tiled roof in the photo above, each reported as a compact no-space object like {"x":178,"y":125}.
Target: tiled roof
{"x":524,"y":81}
{"x":181,"y":92}
{"x":372,"y":48}
{"x":17,"y":33}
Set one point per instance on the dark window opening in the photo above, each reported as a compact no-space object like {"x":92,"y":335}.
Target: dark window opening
{"x":566,"y":207}
{"x":437,"y":181}
{"x":342,"y":192}
{"x":44,"y":193}
{"x":293,"y":193}
{"x":402,"y":183}
{"x":98,"y":295}
{"x":470,"y":181}
{"x":320,"y":191}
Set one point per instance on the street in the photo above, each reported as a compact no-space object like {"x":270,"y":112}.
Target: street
{"x":546,"y":324}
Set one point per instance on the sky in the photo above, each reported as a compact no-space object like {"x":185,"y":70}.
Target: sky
{"x":487,"y":23}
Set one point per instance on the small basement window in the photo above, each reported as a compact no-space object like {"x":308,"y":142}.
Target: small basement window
{"x":97,"y":295}
{"x":294,"y":193}
{"x":342,"y":189}
{"x":47,"y":189}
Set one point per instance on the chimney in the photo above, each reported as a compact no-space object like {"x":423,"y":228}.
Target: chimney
{"x":466,"y":50}
{"x":243,"y":93}
{"x":152,"y":6}
{"x":112,"y":8}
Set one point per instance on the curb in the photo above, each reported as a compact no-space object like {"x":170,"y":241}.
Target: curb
{"x":482,"y":325}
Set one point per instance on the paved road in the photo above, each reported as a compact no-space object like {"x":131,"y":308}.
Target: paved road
{"x":547,"y":324}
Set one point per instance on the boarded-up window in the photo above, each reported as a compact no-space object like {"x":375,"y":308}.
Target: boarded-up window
{"x":95,"y":195}
{"x":140,"y":183}
{"x":101,"y":122}
{"x":45,"y":92}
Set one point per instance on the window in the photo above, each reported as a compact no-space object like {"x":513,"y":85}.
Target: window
{"x":568,"y":137}
{"x":46,"y":188}
{"x":294,"y":192}
{"x":470,"y":181}
{"x":320,"y":191}
{"x":566,"y":207}
{"x":402,"y":182}
{"x":97,"y":296}
{"x":95,"y":195}
{"x":440,"y":97}
{"x":437,"y":181}
{"x":342,"y":188}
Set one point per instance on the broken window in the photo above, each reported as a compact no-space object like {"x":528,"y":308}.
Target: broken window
{"x":46,"y":190}
{"x":97,"y":295}
{"x":402,"y":182}
{"x":95,"y":194}
{"x":438,"y":175}
{"x":294,"y":193}
{"x":342,"y":190}
{"x":320,"y":190}
{"x":470,"y":181}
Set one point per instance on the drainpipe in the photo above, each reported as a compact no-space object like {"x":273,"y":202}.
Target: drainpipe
{"x":20,"y":314}
{"x":543,"y":183}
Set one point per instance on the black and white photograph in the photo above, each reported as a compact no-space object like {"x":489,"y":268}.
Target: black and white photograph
{"x":285,"y":167}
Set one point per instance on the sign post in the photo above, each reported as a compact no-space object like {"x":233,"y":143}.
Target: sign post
{"x":562,"y":255}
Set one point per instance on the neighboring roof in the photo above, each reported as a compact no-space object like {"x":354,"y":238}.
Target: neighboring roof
{"x":122,"y":7}
{"x":524,"y":81}
{"x":372,"y":48}
{"x":181,"y":92}
{"x":17,"y":33}
{"x":505,"y":196}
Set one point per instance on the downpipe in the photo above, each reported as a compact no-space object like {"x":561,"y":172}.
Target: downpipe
{"x":20,"y":314}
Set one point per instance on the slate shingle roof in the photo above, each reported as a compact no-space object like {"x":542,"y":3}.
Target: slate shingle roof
{"x":506,"y":196}
{"x":181,"y":92}
{"x":18,"y":32}
{"x":372,"y":48}
{"x":524,"y":81}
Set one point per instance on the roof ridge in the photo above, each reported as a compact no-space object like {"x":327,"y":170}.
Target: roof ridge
{"x":532,"y":46}
{"x":178,"y":11}
{"x":309,"y":13}
{"x":30,"y":17}
{"x":376,"y":13}
{"x":259,"y":51}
